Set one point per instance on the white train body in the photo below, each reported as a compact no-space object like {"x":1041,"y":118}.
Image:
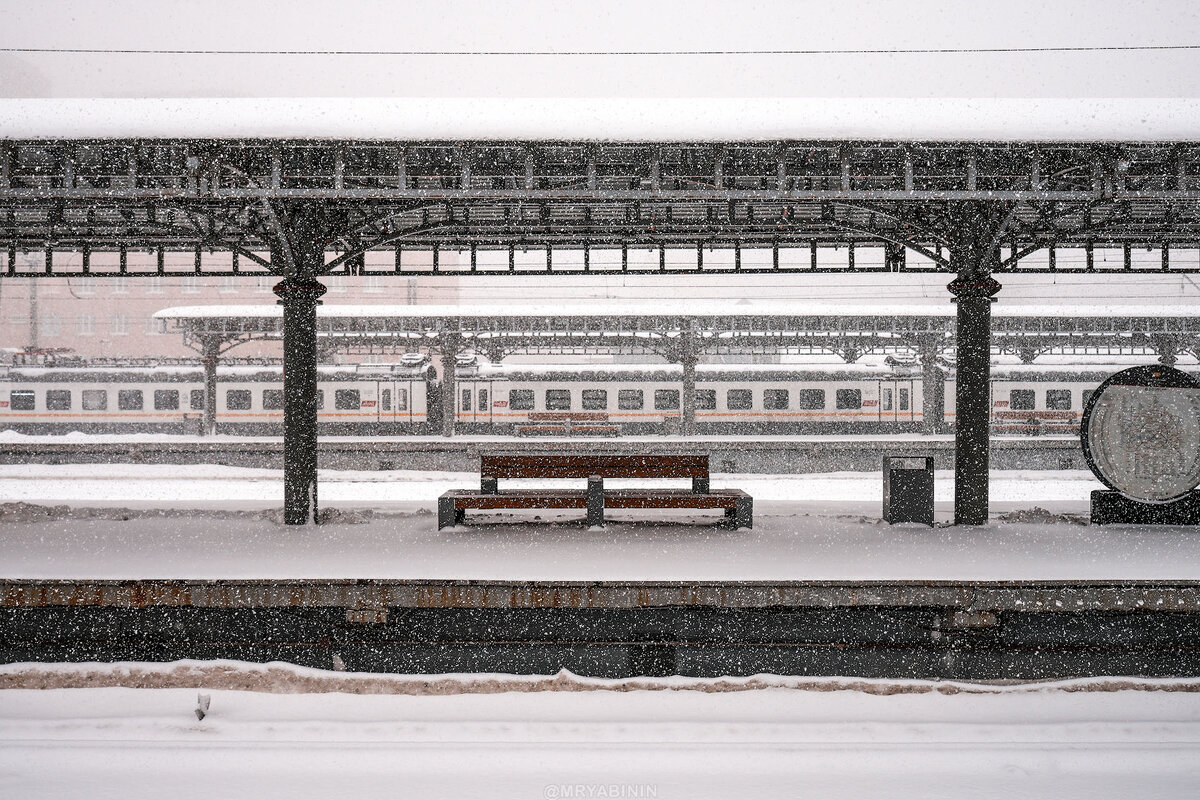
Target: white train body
{"x":531,"y":399}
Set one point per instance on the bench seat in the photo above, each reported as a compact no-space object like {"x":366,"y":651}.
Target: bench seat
{"x":737,"y":505}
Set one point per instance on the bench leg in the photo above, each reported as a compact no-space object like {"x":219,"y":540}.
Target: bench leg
{"x":448,"y":514}
{"x":489,"y":485}
{"x":743,"y":514}
{"x":700,"y":485}
{"x":595,"y":501}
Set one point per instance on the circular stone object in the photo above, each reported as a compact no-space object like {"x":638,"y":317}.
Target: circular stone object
{"x":1141,"y":433}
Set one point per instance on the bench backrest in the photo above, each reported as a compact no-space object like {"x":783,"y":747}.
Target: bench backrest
{"x":583,"y":465}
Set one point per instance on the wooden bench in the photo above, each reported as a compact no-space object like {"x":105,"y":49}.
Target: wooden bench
{"x":595,"y":467}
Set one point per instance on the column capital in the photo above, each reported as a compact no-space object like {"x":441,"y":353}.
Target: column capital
{"x":292,"y":289}
{"x":973,"y":286}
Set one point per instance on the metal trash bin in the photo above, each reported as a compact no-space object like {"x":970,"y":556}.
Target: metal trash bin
{"x":908,"y":489}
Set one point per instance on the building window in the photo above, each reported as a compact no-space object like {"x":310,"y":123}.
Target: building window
{"x":810,"y":399}
{"x":1058,"y":399}
{"x":520,"y":399}
{"x":22,"y":400}
{"x":166,"y":399}
{"x":848,"y":398}
{"x":666,"y":399}
{"x":154,"y":327}
{"x":191,"y":284}
{"x":630,"y":399}
{"x":154,"y":284}
{"x":237,"y":399}
{"x":272,"y":399}
{"x":1021,"y":399}
{"x":197,"y":398}
{"x":49,"y":325}
{"x":119,"y":324}
{"x":120,"y":286}
{"x":558,"y":399}
{"x":775,"y":399}
{"x":346,"y":399}
{"x":739,"y":399}
{"x":595,"y":400}
{"x":58,"y":400}
{"x":95,"y":400}
{"x":85,"y":325}
{"x":264,"y":284}
{"x":129,"y":399}
{"x":86,"y":285}
{"x":228,"y":284}
{"x":372,"y":284}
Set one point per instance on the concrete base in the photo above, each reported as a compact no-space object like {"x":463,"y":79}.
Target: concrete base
{"x":1109,"y":508}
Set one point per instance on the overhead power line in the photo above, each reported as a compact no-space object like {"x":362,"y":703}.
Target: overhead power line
{"x":731,"y":52}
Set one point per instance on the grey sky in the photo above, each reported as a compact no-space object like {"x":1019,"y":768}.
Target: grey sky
{"x":547,"y":25}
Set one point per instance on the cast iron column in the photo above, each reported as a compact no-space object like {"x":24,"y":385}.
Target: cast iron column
{"x":973,"y":290}
{"x":450,"y":346}
{"x":688,"y":360}
{"x":210,"y":358}
{"x":933,"y":390}
{"x":299,"y":297}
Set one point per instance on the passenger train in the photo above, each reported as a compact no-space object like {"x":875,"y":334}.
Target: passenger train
{"x":404,"y":398}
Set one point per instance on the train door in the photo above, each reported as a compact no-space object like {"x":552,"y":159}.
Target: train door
{"x":889,"y":397}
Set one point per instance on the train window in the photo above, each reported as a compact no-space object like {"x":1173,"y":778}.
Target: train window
{"x":58,"y":400}
{"x":129,"y":399}
{"x":22,"y":400}
{"x":197,"y":399}
{"x":1058,"y":399}
{"x":272,"y":399}
{"x":320,"y":399}
{"x":595,"y":399}
{"x":166,"y":399}
{"x":775,"y":399}
{"x":885,"y":399}
{"x":402,"y":399}
{"x":348,"y":399}
{"x":810,"y":399}
{"x":483,"y":400}
{"x":629,"y":399}
{"x":385,"y":399}
{"x":520,"y":399}
{"x":1021,"y":399}
{"x":1087,"y":396}
{"x":558,"y":399}
{"x":666,"y":399}
{"x":848,"y":398}
{"x":237,"y":399}
{"x":465,"y":405}
{"x":706,"y":399}
{"x":904,"y":399}
{"x":739,"y":399}
{"x":95,"y":400}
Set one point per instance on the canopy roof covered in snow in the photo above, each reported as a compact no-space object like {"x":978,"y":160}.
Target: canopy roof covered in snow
{"x":587,"y":119}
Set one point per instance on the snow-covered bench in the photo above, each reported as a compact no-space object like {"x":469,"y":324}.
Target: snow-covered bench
{"x":595,"y":468}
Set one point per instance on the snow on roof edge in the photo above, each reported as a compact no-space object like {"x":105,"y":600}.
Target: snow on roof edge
{"x":599,"y":119}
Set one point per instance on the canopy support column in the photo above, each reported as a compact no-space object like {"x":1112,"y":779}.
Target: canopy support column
{"x":450,"y":346}
{"x":973,"y":290}
{"x":688,"y":359}
{"x":933,"y":389}
{"x":210,"y":358}
{"x":299,"y":297}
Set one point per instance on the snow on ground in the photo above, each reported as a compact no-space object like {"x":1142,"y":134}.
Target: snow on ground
{"x":786,"y":737}
{"x":199,"y":522}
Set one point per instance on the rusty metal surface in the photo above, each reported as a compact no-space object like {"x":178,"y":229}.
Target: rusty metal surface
{"x":1070,"y":596}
